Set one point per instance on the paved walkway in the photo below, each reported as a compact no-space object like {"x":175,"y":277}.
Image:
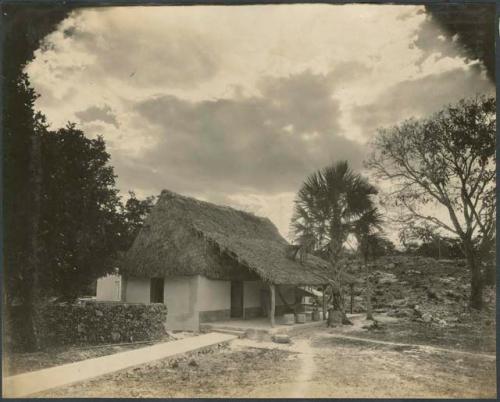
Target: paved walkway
{"x":36,"y":381}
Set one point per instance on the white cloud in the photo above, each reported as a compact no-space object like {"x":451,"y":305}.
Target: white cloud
{"x":242,"y":79}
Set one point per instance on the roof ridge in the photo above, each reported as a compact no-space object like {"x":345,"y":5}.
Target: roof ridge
{"x":173,"y":194}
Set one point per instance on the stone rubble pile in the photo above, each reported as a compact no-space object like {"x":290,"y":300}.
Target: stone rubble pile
{"x":414,"y":288}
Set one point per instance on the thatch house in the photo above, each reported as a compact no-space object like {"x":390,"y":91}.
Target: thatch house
{"x":209,"y":263}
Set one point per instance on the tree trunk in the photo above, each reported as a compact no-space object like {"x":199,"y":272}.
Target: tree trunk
{"x":368,"y":294}
{"x":351,"y":286}
{"x":324,"y":302}
{"x":32,"y":298}
{"x":476,"y":285}
{"x":30,"y":342}
{"x":338,"y":303}
{"x":337,"y":292}
{"x":337,"y":298}
{"x":273,"y":305}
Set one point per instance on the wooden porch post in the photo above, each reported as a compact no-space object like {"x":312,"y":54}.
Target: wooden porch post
{"x":352,"y":295}
{"x":273,"y":304}
{"x":324,"y":302}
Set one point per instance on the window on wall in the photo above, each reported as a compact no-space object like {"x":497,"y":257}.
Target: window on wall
{"x":156,"y":291}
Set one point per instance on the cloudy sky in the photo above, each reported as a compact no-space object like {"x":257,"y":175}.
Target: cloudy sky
{"x":237,"y":105}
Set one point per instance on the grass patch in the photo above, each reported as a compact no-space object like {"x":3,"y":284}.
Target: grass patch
{"x":18,"y":362}
{"x":472,"y":336}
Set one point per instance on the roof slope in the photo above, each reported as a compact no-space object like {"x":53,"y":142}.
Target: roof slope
{"x":185,"y":236}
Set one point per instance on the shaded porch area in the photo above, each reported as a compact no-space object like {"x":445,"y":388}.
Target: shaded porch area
{"x":256,"y":304}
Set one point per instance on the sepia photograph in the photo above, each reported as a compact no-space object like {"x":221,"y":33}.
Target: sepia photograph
{"x":292,"y":200}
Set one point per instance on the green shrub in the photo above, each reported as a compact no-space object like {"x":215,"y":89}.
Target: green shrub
{"x":101,"y":322}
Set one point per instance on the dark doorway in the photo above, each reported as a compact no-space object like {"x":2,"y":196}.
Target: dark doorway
{"x":236,"y":299}
{"x":156,"y":290}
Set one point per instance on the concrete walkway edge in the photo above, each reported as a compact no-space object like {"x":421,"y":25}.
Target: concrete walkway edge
{"x":37,"y":381}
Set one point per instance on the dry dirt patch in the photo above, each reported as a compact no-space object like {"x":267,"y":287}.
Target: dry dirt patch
{"x":360,"y":369}
{"x":17,"y":362}
{"x":316,"y":364}
{"x":473,"y":335}
{"x":211,"y":373}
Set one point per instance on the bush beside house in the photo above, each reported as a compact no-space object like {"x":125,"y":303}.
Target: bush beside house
{"x":101,"y":323}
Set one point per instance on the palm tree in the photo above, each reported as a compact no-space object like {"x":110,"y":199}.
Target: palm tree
{"x":328,"y":208}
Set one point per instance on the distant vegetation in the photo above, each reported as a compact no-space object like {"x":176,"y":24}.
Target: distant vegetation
{"x":446,"y":160}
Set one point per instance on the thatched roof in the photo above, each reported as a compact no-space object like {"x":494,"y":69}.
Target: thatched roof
{"x":185,"y":236}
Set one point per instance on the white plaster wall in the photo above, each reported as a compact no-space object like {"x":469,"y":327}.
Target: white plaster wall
{"x":213,"y":294}
{"x":181,"y":298}
{"x":137,"y":290}
{"x":109,"y":288}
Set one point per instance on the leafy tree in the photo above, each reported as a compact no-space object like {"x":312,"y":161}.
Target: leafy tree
{"x":24,"y":27}
{"x":328,"y":207}
{"x":21,"y":198}
{"x":134,"y":213}
{"x":83,"y":224}
{"x":81,"y":227}
{"x":429,"y":243}
{"x":440,"y":247}
{"x":447,"y":160}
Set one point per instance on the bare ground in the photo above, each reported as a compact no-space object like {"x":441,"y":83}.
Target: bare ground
{"x":475,"y":335}
{"x":317,"y":364}
{"x":18,"y":362}
{"x":224,"y":373}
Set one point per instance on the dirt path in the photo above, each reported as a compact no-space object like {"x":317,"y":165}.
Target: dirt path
{"x":410,"y":345}
{"x":340,"y":366}
{"x":354,"y":368}
{"x":317,"y":364}
{"x":307,"y":368}
{"x":304,"y":356}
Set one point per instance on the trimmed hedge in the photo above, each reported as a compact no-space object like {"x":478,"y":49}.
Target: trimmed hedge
{"x":101,"y":322}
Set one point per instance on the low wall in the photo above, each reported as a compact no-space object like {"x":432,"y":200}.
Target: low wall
{"x":98,"y":323}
